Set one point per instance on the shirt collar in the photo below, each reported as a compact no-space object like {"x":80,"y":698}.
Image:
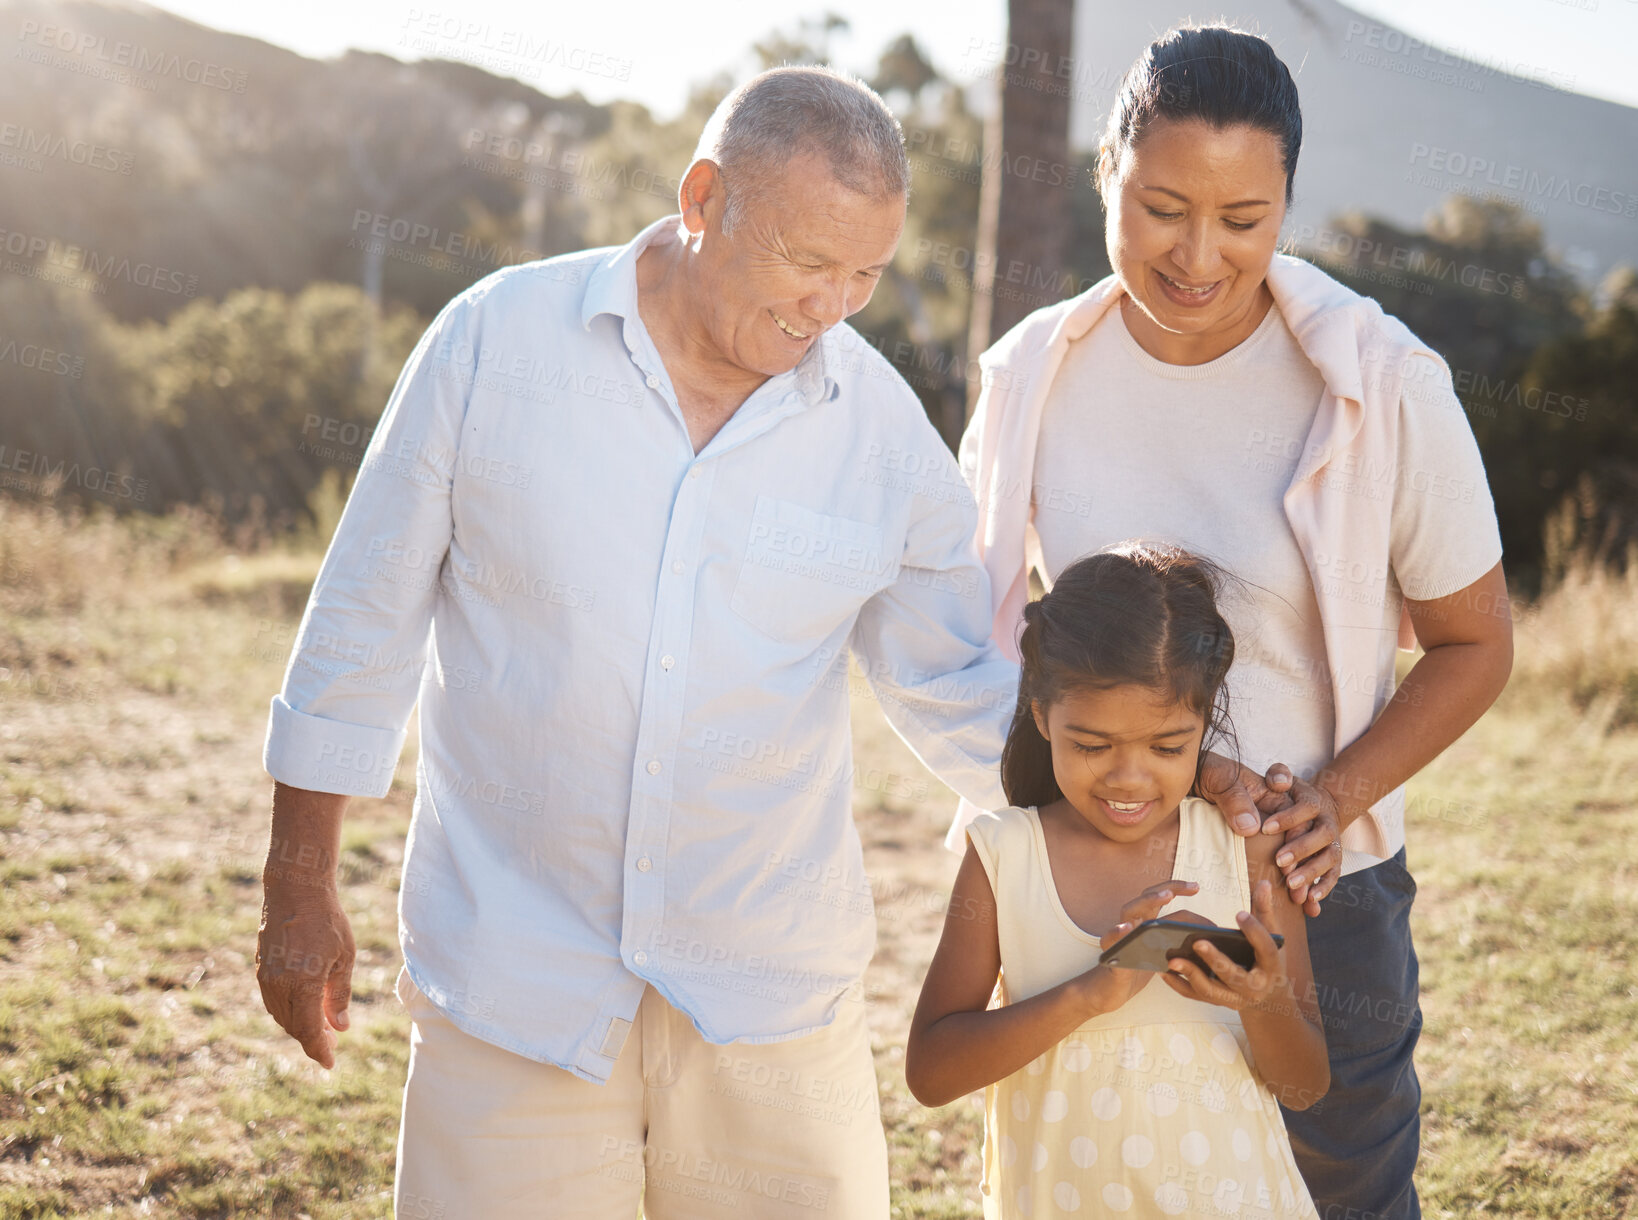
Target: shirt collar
{"x":612,"y":289}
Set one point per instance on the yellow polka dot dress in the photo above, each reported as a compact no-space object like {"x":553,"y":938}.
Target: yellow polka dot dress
{"x":1152,"y":1110}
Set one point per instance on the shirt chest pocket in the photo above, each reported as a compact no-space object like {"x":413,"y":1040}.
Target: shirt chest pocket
{"x":806,"y":573}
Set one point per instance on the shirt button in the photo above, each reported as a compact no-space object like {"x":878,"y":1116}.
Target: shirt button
{"x":639,"y":958}
{"x":676,"y":566}
{"x":653,"y":766}
{"x":695,"y":472}
{"x":667,"y":661}
{"x":644,"y":864}
{"x":652,"y":381}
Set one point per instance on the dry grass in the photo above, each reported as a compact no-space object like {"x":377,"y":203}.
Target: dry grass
{"x":1582,"y":641}
{"x":139,"y":1076}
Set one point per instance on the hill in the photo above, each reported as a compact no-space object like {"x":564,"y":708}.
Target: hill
{"x":174,"y":161}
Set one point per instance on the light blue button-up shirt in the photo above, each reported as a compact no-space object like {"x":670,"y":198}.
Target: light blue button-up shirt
{"x":631,"y":660}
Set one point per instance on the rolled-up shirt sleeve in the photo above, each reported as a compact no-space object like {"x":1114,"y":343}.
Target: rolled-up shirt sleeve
{"x":924,"y":640}
{"x":338,"y":723}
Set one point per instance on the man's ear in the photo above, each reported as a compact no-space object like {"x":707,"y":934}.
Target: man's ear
{"x":1039,"y":712}
{"x":700,"y":198}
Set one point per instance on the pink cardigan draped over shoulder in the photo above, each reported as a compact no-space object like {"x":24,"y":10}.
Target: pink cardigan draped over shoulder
{"x":1365,"y":357}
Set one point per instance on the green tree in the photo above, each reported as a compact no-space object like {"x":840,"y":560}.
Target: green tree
{"x":809,"y":43}
{"x":260,"y":392}
{"x":1582,"y":394}
{"x":72,"y":395}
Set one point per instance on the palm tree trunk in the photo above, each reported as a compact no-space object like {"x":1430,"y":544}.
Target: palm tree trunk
{"x":1023,"y":213}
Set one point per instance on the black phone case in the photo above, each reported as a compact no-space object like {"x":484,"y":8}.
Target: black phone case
{"x":1147,"y":946}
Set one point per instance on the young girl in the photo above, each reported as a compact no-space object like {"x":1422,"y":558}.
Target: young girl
{"x":1110,"y":1091}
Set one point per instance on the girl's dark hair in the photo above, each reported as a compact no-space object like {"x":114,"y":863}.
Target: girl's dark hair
{"x":1141,"y":614}
{"x":1214,"y":74}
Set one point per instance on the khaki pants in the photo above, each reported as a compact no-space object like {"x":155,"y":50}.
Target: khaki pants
{"x":683,"y":1128}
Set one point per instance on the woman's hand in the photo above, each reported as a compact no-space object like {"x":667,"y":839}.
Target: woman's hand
{"x":1311,"y":856}
{"x":1234,"y":986}
{"x":1107,"y":988}
{"x":1305,"y":813}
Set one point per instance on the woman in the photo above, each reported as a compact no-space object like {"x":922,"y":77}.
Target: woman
{"x":1244,"y":405}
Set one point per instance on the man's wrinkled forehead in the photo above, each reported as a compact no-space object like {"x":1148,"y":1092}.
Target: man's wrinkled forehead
{"x":827,"y":226}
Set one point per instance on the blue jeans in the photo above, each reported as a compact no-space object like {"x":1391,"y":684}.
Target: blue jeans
{"x":1357,"y":1146}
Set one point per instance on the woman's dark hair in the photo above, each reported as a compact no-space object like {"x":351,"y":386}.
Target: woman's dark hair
{"x":1141,"y":614}
{"x":1214,"y":74}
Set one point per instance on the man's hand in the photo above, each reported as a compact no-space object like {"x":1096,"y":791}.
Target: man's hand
{"x":304,"y":959}
{"x":1242,"y":795}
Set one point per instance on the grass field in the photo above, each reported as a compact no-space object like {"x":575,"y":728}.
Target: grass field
{"x":139,"y":1075}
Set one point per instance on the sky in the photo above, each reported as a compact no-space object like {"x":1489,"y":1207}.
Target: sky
{"x":641,"y":50}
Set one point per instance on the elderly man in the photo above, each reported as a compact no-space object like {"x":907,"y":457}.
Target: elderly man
{"x":641,"y":503}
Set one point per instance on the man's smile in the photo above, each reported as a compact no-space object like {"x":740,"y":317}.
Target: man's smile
{"x":788,"y":328}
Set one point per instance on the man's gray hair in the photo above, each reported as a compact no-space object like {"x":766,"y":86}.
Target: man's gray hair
{"x":790,"y":111}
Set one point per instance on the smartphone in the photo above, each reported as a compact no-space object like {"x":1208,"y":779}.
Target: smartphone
{"x":1147,"y":946}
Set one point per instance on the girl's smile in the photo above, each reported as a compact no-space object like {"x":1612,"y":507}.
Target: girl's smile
{"x":1124,"y":756}
{"x":1126,"y":814}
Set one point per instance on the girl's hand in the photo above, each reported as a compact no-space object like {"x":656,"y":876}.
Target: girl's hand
{"x":1234,"y":986}
{"x":1108,"y":987}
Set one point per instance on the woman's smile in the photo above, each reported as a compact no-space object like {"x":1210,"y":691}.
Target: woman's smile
{"x":1188,"y":296}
